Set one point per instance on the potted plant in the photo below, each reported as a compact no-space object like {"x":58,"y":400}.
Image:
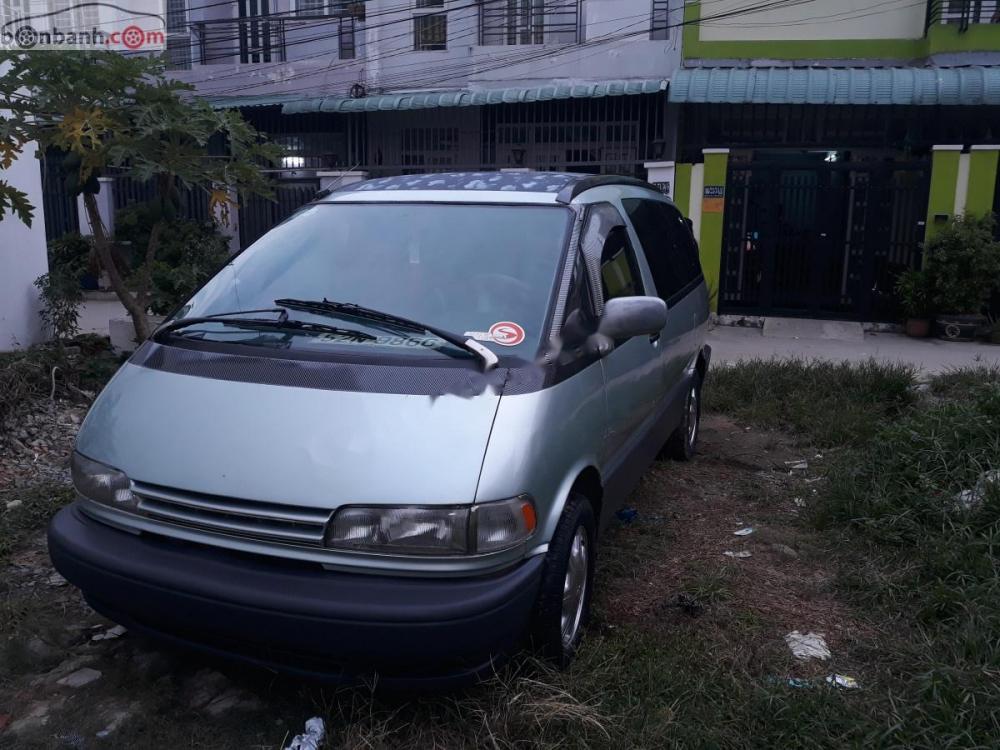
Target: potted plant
{"x":963,"y":261}
{"x":915,"y":293}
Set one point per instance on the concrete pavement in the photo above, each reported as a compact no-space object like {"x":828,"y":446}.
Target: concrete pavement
{"x":733,"y":344}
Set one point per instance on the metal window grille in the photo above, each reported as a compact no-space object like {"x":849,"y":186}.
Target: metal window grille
{"x":178,"y":38}
{"x":258,"y":35}
{"x":659,"y":27}
{"x":347,"y":46}
{"x":430,"y":32}
{"x":512,"y":22}
{"x":310,"y":7}
{"x":963,"y":13}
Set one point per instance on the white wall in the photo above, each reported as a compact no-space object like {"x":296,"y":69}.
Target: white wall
{"x":820,"y":19}
{"x":22,"y":259}
{"x":386,"y":60}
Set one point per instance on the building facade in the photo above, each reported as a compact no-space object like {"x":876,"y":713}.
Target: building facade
{"x":406,"y":86}
{"x":820,"y":144}
{"x":814,"y":144}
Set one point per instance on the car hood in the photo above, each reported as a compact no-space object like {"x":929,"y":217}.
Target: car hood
{"x":305,"y":446}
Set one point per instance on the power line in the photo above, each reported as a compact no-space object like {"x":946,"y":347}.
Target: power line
{"x":520,"y":57}
{"x":454,"y":64}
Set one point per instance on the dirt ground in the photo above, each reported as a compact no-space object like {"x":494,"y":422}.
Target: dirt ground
{"x":71,"y":679}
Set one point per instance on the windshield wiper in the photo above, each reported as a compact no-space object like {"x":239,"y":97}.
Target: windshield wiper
{"x":329,"y":307}
{"x":282,"y":323}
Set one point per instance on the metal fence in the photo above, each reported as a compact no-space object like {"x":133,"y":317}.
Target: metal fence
{"x":826,"y":239}
{"x":258,"y":215}
{"x":129,"y":191}
{"x":61,"y":209}
{"x":963,"y":13}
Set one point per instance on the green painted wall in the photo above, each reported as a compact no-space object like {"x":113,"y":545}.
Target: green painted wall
{"x":940,"y":38}
{"x":682,"y":188}
{"x":944,"y":178}
{"x":716,"y":170}
{"x":982,"y":182}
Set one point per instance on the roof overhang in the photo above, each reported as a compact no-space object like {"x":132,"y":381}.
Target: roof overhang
{"x":974,"y":85}
{"x":298,"y":104}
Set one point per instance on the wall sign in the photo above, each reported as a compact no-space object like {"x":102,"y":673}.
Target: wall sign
{"x":714,"y":199}
{"x":663,"y":187}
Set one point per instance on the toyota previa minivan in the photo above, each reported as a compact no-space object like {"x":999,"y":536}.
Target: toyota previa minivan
{"x":385,"y":438}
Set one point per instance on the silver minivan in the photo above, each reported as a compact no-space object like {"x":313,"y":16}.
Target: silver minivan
{"x":384,"y":439}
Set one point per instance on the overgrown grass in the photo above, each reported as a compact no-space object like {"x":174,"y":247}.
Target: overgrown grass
{"x":920,"y":557}
{"x":831,"y":404}
{"x":83,"y":366}
{"x":32,"y":508}
{"x":921,"y":569}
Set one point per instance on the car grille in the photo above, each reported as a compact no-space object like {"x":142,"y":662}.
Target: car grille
{"x":290,"y":524}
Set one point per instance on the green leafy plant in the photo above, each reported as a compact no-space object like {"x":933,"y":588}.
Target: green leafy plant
{"x":190,"y":252}
{"x":963,"y":261}
{"x":61,"y":299}
{"x":915,"y":291}
{"x":106,"y":110}
{"x":59,"y":289}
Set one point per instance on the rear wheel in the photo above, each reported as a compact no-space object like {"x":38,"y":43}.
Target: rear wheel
{"x":567,"y":580}
{"x":683,"y":443}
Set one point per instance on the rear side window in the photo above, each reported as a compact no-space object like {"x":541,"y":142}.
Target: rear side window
{"x":619,"y":272}
{"x":670,"y":249}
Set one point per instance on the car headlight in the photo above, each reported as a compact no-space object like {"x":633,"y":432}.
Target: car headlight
{"x":101,"y":483}
{"x":487,"y":527}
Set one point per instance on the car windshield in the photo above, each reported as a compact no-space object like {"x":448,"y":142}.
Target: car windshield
{"x":479,"y":271}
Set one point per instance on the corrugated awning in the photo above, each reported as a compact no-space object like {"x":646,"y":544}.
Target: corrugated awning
{"x":899,"y":86}
{"x":297,"y":104}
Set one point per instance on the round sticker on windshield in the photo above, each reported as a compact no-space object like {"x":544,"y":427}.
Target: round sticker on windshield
{"x":507,"y":333}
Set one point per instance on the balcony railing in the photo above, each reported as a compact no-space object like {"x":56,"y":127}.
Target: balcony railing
{"x":963,"y":13}
{"x":272,"y":38}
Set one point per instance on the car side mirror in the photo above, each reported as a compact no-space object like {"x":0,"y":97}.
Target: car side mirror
{"x":626,"y":317}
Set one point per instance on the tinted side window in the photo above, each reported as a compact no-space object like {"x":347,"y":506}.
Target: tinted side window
{"x":580,"y":319}
{"x":619,"y":272}
{"x":670,"y":249}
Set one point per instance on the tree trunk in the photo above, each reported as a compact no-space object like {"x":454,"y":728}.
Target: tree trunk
{"x":136,"y":304}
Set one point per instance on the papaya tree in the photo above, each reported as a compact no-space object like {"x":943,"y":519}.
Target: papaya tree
{"x":105,"y":110}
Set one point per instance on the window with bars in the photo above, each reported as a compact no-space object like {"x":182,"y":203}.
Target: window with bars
{"x":178,"y":38}
{"x":513,"y":22}
{"x":659,"y":27}
{"x":310,"y":7}
{"x":430,"y":32}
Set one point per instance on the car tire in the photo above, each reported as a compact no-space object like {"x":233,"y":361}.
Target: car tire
{"x":683,"y":443}
{"x":569,"y":566}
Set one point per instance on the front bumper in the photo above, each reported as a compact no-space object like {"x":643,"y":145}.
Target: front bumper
{"x":296,"y":617}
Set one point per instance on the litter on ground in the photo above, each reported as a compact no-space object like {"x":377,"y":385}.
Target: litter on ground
{"x":807,"y":646}
{"x":110,"y":634}
{"x":972,"y":499}
{"x":744,"y":532}
{"x":742,"y":554}
{"x":312,"y":738}
{"x":843,"y":681}
{"x":627,"y":515}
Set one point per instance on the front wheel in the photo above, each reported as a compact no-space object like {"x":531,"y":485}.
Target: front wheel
{"x":683,"y":443}
{"x":567,"y":580}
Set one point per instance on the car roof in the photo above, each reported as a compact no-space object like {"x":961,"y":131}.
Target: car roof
{"x":494,"y":187}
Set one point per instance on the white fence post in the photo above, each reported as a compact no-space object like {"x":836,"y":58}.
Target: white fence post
{"x":105,"y":207}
